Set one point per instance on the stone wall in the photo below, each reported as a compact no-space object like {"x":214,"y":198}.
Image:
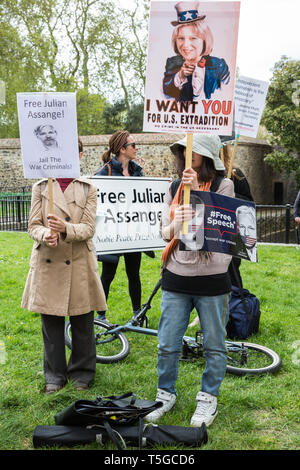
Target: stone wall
{"x":158,"y":161}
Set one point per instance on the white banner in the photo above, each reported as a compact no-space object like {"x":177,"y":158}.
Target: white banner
{"x":249,"y":98}
{"x":48,"y":135}
{"x":129,"y":213}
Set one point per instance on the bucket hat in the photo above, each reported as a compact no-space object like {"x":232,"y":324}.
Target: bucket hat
{"x":187,"y":12}
{"x":204,"y":144}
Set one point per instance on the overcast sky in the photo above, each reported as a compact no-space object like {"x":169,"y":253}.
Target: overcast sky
{"x":268,"y":29}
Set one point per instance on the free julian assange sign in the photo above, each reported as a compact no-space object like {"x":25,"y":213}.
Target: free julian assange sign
{"x":129,"y":211}
{"x":48,"y":135}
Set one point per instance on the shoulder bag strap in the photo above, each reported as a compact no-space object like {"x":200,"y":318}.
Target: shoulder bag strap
{"x":174,"y":186}
{"x":216,"y":183}
{"x":108,"y":168}
{"x":111,"y":434}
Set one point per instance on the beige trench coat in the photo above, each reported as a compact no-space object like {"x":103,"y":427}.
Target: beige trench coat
{"x":64,"y":280}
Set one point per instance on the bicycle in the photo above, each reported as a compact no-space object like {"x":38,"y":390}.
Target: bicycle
{"x":243,"y":358}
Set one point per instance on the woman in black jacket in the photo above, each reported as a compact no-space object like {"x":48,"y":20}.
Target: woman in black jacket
{"x":124,"y":149}
{"x":119,"y":161}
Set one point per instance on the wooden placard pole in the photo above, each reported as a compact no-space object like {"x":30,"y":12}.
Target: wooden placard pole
{"x":187,"y":188}
{"x":50,"y":192}
{"x":233,"y":157}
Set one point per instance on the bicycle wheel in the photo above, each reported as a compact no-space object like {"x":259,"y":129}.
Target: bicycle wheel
{"x":110,"y":347}
{"x":251,"y":359}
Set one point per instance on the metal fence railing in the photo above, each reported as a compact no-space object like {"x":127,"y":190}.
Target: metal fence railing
{"x":14,"y":212}
{"x":275,"y":224}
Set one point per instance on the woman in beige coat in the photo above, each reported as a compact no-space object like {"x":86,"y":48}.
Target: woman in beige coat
{"x":63,"y":279}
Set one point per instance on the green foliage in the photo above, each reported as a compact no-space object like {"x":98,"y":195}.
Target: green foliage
{"x":93,"y":47}
{"x":114,"y":116}
{"x":118,"y":116}
{"x":134,"y":120}
{"x":282,"y":117}
{"x":255,"y":412}
{"x":90,"y":108}
{"x":20,"y":71}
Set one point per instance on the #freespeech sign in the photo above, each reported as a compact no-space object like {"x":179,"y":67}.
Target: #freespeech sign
{"x":221,"y":224}
{"x":48,"y":135}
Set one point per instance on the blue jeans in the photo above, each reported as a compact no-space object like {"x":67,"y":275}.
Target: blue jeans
{"x":213,"y":314}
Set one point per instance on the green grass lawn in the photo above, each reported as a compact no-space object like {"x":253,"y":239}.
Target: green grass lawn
{"x":255,"y":412}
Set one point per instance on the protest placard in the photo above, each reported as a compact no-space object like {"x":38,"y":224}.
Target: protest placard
{"x":222,"y":225}
{"x":129,"y":213}
{"x":249,"y":97}
{"x":191,"y":67}
{"x":48,"y":135}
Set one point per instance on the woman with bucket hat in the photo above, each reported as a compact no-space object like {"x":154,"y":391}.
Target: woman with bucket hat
{"x":193,"y":279}
{"x":193,"y":73}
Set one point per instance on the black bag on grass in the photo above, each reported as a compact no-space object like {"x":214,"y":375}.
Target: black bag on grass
{"x":244,"y":314}
{"x":124,"y":409}
{"x":244,"y":311}
{"x":134,"y":436}
{"x":65,"y":436}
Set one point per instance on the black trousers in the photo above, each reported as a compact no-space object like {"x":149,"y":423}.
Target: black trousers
{"x":132,"y":266}
{"x":81,"y":366}
{"x":234,"y":272}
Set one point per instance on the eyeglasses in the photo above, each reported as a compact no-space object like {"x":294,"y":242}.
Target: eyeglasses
{"x":133,"y":144}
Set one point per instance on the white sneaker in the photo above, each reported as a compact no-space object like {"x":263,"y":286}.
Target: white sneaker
{"x":168,"y":400}
{"x":206,"y":410}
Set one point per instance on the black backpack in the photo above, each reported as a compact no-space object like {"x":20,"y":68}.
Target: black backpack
{"x":244,"y":314}
{"x":244,"y":311}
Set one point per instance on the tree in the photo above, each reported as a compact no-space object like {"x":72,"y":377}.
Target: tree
{"x":120,"y":54}
{"x":282,"y":117}
{"x":114,"y":116}
{"x":20,"y":71}
{"x":59,"y":34}
{"x":90,"y":109}
{"x":134,"y":119}
{"x":91,"y":46}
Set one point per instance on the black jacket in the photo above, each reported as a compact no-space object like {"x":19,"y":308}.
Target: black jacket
{"x":116,"y":168}
{"x":241,"y":186}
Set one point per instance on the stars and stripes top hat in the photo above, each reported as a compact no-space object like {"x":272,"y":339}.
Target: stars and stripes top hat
{"x":187,"y":12}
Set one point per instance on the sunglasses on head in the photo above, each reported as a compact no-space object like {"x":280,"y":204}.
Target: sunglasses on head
{"x":133,"y":144}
